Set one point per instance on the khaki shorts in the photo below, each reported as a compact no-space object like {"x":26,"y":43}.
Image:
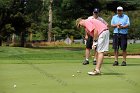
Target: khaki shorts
{"x":103,"y":41}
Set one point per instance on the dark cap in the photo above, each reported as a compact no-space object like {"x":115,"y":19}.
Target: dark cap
{"x":96,"y":10}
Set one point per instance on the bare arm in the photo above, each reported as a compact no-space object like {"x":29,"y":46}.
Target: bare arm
{"x":115,"y":25}
{"x":123,"y":27}
{"x":86,"y":35}
{"x":95,"y":35}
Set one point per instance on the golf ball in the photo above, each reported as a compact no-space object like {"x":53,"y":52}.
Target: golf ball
{"x":73,"y":75}
{"x":15,"y":86}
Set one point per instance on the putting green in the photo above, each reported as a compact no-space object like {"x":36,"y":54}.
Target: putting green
{"x":24,"y":70}
{"x":56,"y":77}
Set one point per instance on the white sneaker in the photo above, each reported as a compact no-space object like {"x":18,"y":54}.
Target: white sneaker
{"x":95,"y":72}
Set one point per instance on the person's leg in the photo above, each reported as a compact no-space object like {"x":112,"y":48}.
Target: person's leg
{"x":95,"y":57}
{"x":124,"y":58}
{"x":103,"y":45}
{"x":123,"y":48}
{"x":116,"y":53}
{"x":87,"y":53}
{"x":99,"y":61}
{"x":116,"y":49}
{"x":124,"y":53}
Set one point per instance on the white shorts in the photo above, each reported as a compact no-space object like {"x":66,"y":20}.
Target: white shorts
{"x":103,"y":41}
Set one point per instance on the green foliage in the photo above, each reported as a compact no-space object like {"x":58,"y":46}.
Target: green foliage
{"x":67,"y":11}
{"x":127,"y":5}
{"x":134,"y":29}
{"x":5,"y":4}
{"x":33,"y":16}
{"x":9,"y":28}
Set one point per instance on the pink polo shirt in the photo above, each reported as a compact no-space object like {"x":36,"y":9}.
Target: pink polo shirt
{"x":94,"y":24}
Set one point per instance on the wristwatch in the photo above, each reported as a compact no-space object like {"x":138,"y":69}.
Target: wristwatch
{"x":95,"y":40}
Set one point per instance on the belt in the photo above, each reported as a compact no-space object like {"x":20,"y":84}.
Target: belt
{"x":105,"y":29}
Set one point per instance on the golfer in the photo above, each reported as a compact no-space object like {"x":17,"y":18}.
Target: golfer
{"x":120,"y":23}
{"x":100,"y":34}
{"x":89,"y":39}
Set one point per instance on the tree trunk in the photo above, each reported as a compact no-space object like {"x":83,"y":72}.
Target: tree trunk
{"x":50,"y":21}
{"x":13,"y":38}
{"x":22,"y":39}
{"x":0,"y":42}
{"x":30,"y":36}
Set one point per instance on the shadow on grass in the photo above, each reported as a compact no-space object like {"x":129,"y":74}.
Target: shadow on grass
{"x":108,"y":63}
{"x":120,"y":64}
{"x":133,"y":64}
{"x":2,"y":51}
{"x":113,"y":73}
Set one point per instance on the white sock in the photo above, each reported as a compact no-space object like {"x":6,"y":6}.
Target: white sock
{"x":86,"y":59}
{"x":97,"y":70}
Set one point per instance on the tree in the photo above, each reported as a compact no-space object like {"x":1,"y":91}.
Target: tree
{"x":20,"y":15}
{"x":50,"y":21}
{"x":5,"y":13}
{"x":29,"y":18}
{"x":67,"y":11}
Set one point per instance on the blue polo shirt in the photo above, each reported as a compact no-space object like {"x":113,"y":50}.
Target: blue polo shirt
{"x":123,"y":20}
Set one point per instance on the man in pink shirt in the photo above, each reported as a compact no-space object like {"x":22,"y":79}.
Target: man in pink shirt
{"x":100,"y":33}
{"x":89,"y":39}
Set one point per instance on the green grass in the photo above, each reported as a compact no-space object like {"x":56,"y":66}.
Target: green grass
{"x":132,"y":49}
{"x":50,"y":70}
{"x":42,"y":54}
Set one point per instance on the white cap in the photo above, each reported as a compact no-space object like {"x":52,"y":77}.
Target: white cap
{"x":119,"y":8}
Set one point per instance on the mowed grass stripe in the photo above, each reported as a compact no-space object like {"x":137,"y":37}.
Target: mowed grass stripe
{"x":51,"y":70}
{"x":44,"y":77}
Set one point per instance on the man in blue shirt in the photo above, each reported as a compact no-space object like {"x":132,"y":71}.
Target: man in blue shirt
{"x":120,"y":23}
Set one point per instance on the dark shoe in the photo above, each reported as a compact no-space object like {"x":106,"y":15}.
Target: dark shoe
{"x":123,"y":63}
{"x":85,"y":62}
{"x":115,"y":63}
{"x":94,"y":62}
